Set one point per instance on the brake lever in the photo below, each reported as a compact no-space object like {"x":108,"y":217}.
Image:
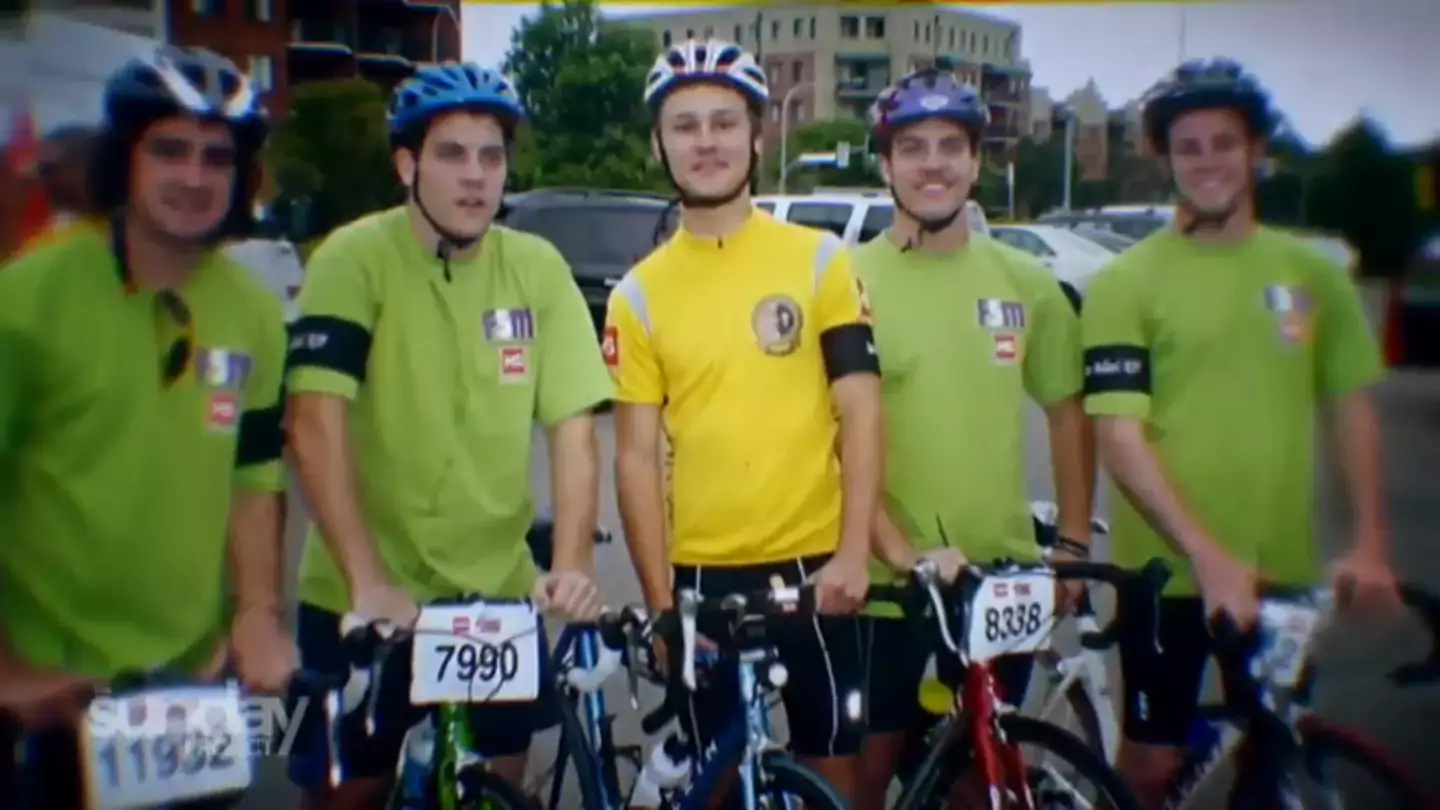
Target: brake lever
{"x":689,"y":608}
{"x":633,"y":639}
{"x":927,"y":574}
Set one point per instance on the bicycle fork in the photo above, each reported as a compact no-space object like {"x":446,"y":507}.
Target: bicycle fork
{"x":1002,"y":766}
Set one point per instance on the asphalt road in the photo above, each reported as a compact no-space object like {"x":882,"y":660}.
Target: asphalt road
{"x":1354,"y":691}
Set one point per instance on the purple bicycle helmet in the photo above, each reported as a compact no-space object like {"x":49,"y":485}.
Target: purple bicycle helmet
{"x":1204,"y":84}
{"x":927,"y":94}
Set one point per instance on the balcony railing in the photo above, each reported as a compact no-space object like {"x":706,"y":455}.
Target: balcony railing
{"x":862,"y":85}
{"x":322,"y":32}
{"x":382,"y":43}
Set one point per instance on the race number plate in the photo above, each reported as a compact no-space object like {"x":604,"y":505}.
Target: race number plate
{"x":165,"y":745}
{"x":1287,"y":630}
{"x":486,"y":652}
{"x":1011,"y":614}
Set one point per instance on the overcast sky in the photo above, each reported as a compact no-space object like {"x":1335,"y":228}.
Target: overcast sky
{"x":1325,"y":60}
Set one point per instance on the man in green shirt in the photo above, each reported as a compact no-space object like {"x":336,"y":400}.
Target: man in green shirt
{"x":140,"y":441}
{"x":967,"y":330}
{"x":429,"y":342}
{"x":1208,"y":347}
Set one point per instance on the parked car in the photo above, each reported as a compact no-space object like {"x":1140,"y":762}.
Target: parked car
{"x":1073,"y":258}
{"x":1111,"y":241}
{"x":1130,"y":221}
{"x":855,"y":216}
{"x":602,"y":234}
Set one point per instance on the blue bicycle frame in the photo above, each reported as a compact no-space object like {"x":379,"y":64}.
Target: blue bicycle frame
{"x":585,"y":641}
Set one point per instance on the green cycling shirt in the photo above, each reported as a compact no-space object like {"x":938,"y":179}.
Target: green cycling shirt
{"x":446,"y":373}
{"x":965,"y":339}
{"x":116,"y":488}
{"x":1224,"y":351}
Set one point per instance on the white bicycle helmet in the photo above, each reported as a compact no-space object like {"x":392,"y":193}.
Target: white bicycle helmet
{"x":711,"y":60}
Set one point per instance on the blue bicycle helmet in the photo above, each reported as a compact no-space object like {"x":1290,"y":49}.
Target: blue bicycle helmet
{"x":923,"y":95}
{"x":453,"y":86}
{"x":1205,"y":84}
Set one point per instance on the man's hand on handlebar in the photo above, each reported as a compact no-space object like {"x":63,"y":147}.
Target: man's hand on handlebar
{"x":569,"y":595}
{"x":841,"y":584}
{"x":265,"y":652}
{"x":385,"y":603}
{"x":949,"y":561}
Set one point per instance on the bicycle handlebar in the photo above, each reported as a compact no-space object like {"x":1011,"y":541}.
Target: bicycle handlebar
{"x":629,"y":628}
{"x":1423,"y":605}
{"x":1132,"y":586}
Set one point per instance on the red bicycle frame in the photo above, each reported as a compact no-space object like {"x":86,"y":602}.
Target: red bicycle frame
{"x":1002,"y":765}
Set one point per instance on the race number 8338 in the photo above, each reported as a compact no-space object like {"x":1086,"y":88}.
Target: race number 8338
{"x":1011,"y":614}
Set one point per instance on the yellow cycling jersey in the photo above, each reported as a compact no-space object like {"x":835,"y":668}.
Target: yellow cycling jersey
{"x":738,"y":339}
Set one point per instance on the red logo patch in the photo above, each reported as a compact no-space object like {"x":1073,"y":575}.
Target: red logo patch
{"x":1007,"y":348}
{"x":513,"y":362}
{"x":224,"y":410}
{"x":610,"y":346}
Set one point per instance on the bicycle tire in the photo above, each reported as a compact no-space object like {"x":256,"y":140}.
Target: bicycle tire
{"x":782,"y":776}
{"x":1321,"y":739}
{"x":1027,"y":731}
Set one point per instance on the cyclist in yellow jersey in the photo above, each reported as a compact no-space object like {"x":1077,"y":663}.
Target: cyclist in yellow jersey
{"x":430,"y":342}
{"x":742,"y":342}
{"x":1208,"y":347}
{"x":969,"y":331}
{"x":140,"y":432}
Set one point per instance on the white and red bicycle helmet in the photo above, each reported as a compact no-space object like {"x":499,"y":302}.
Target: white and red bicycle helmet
{"x":711,"y":61}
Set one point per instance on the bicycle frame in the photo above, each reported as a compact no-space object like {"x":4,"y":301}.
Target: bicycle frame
{"x":744,"y":740}
{"x":1087,"y":667}
{"x":585,"y":641}
{"x":972,"y":723}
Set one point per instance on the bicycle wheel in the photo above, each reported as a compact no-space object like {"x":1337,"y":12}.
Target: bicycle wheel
{"x":482,"y":790}
{"x":783,"y":778}
{"x":1046,"y":748}
{"x":573,"y":779}
{"x":1352,"y":772}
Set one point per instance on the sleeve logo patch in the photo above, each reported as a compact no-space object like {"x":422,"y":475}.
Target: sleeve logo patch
{"x":610,"y":346}
{"x":514,"y":363}
{"x":994,"y":314}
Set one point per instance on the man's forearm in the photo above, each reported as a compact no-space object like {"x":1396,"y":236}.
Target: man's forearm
{"x":862,"y":464}
{"x":327,"y":475}
{"x":575,"y":491}
{"x":1357,"y":437}
{"x":1072,"y":457}
{"x":256,"y":541}
{"x":1138,"y":472}
{"x":640,"y":484}
{"x":890,"y":545}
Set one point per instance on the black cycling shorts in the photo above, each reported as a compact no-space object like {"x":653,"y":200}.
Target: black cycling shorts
{"x":824,"y":697}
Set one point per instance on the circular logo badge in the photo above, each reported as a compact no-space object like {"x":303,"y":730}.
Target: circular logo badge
{"x":777,"y":322}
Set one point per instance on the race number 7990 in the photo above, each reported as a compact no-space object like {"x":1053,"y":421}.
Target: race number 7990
{"x":488,"y":663}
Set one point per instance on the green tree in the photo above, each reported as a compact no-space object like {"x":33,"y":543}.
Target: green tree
{"x":333,"y":154}
{"x":823,"y":136}
{"x":1040,"y":176}
{"x":1366,"y":191}
{"x":582,"y":81}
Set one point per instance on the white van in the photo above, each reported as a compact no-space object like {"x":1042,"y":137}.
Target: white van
{"x":855,"y":216}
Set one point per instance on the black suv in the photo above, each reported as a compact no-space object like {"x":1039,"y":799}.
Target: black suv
{"x":602,"y":234}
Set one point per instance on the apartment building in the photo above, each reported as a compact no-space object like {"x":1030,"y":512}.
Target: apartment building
{"x":1101,"y":134}
{"x":830,"y":62}
{"x":284,"y":43}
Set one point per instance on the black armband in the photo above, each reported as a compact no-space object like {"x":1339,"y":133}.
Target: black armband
{"x":336,"y":344}
{"x":262,"y":436}
{"x":1072,"y":295}
{"x":1117,"y":368}
{"x":849,"y":349}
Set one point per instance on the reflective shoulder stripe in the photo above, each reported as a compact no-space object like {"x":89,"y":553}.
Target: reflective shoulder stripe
{"x":830,"y":244}
{"x":634,"y":294}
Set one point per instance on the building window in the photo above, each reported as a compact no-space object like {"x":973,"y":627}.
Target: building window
{"x":917,"y":30}
{"x":797,"y":71}
{"x":849,"y":27}
{"x":262,"y":72}
{"x":665,"y":39}
{"x":774,"y":72}
{"x":262,"y":10}
{"x":774,"y":29}
{"x":205,"y":8}
{"x":812,"y":27}
{"x":689,"y":33}
{"x":799,"y":28}
{"x":774,"y":111}
{"x":927,"y":32}
{"x":797,"y":112}
{"x":738,"y":33}
{"x":874,"y":27}
{"x":952,"y":38}
{"x":985,"y":45}
{"x":709,"y":31}
{"x":972,"y":42}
